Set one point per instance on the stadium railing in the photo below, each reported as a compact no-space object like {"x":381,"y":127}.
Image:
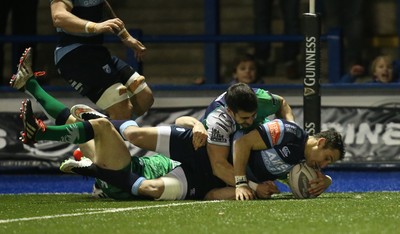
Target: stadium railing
{"x":211,"y":42}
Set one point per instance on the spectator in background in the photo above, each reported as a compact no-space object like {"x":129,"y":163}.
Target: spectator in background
{"x":23,"y":15}
{"x":262,"y":25}
{"x":347,"y":16}
{"x":381,"y":71}
{"x":245,"y":70}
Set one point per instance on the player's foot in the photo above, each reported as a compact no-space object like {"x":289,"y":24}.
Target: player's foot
{"x":24,"y":70}
{"x":70,"y":164}
{"x":31,"y":124}
{"x":98,"y":192}
{"x":83,"y":112}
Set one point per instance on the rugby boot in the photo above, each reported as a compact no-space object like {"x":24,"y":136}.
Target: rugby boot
{"x":24,"y":71}
{"x":71,"y":163}
{"x":32,"y":125}
{"x":83,"y":113}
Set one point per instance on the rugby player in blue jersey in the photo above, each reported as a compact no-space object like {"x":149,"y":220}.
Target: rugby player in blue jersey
{"x":239,"y":108}
{"x":87,"y":65}
{"x":273,"y":148}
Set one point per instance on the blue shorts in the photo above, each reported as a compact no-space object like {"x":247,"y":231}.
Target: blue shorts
{"x":195,"y":163}
{"x":90,"y":69}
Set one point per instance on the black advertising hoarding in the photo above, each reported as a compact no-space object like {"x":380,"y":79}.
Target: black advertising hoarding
{"x":371,"y":135}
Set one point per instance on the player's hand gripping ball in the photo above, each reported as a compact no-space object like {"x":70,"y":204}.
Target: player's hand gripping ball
{"x":299,"y":177}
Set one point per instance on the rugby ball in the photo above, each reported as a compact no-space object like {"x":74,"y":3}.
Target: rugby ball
{"x":298,"y":178}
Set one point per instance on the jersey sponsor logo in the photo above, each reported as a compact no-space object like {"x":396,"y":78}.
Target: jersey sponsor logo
{"x":107,"y":69}
{"x":88,"y":3}
{"x":274,"y":163}
{"x":290,"y":128}
{"x":217,"y":136}
{"x":294,"y":129}
{"x":285,"y":151}
{"x":274,"y":131}
{"x":223,"y":126}
{"x":225,"y":120}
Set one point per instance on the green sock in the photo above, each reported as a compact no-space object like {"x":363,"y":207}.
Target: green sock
{"x":76,"y":133}
{"x":51,"y":106}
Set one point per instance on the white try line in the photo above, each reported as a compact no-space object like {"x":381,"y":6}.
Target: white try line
{"x":112,"y":210}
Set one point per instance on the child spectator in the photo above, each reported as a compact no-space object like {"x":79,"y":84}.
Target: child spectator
{"x":245,"y":70}
{"x":381,"y":71}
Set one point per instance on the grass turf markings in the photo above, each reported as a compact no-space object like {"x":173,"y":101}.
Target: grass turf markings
{"x":103,"y":211}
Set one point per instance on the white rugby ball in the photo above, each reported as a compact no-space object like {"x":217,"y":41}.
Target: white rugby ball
{"x":299,"y":176}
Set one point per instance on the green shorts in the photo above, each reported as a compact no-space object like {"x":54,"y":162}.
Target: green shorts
{"x":150,"y":167}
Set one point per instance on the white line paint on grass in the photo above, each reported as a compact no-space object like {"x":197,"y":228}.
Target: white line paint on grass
{"x":112,"y":210}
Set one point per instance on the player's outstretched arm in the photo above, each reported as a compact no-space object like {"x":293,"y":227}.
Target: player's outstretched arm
{"x":222,"y":169}
{"x":285,"y":112}
{"x":241,"y":153}
{"x":198,"y":129}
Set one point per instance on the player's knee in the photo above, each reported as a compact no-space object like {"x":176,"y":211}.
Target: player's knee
{"x":151,"y":188}
{"x":172,"y":189}
{"x":136,"y":83}
{"x":145,"y":99}
{"x":101,"y":125}
{"x":121,"y":110}
{"x":113,"y":95}
{"x":175,"y":185}
{"x":142,"y":101}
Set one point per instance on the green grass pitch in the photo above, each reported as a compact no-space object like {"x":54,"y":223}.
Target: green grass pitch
{"x":371,"y":212}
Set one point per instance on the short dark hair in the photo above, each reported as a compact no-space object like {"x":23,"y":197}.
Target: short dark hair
{"x":240,"y":96}
{"x":243,"y":58}
{"x":334,"y":140}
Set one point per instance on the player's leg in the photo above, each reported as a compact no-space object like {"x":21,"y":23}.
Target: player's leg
{"x":140,"y":95}
{"x":91,"y":72}
{"x":35,"y":130}
{"x":112,"y":156}
{"x":143,"y":137}
{"x":141,"y":101}
{"x":24,"y":80}
{"x":226,"y":193}
{"x":111,"y":150}
{"x":56,"y":111}
{"x":118,"y":110}
{"x":172,"y":186}
{"x":171,"y":141}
